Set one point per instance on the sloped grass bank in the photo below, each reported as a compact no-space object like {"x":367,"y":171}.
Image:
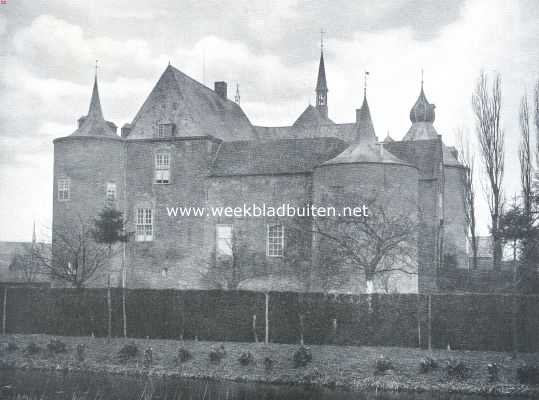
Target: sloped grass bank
{"x":351,"y":368}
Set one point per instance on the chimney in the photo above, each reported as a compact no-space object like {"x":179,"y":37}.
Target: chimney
{"x":358,"y":113}
{"x":126,"y":130}
{"x":220,"y":89}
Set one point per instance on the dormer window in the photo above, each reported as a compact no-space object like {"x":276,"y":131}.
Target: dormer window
{"x":162,"y":167}
{"x":165,"y":130}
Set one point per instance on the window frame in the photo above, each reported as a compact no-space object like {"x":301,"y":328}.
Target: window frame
{"x":161,"y":174}
{"x":142,"y":224}
{"x":64,"y":186}
{"x":271,"y":243}
{"x":217,"y":237}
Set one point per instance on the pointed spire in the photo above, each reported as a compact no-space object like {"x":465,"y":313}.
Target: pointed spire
{"x":321,"y":83}
{"x":94,"y":123}
{"x":365,"y":127}
{"x":95,"y":104}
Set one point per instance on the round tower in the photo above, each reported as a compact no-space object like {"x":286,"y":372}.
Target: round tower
{"x":366,"y":174}
{"x":88,"y":176}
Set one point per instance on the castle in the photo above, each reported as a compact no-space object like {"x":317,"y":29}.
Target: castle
{"x":193,"y":146}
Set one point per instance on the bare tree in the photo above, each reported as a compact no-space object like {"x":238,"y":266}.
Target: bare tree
{"x":25,"y":264}
{"x":466,"y":157}
{"x":379,"y":244}
{"x":536,"y":111}
{"x":76,"y":257}
{"x":525,"y":156}
{"x":486,"y":103}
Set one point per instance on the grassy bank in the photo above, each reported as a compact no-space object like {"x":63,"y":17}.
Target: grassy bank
{"x":353,"y":368}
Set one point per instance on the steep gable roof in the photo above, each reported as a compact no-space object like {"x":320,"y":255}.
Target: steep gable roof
{"x":312,"y":117}
{"x":274,"y":157}
{"x":195,"y":109}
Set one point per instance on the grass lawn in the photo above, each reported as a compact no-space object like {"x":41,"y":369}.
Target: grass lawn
{"x":335,"y":366}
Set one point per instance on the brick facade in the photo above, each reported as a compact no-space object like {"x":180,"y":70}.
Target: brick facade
{"x":217,"y":158}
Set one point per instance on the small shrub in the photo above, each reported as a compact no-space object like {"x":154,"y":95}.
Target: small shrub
{"x":382,"y":365}
{"x":128,"y":352}
{"x":528,"y":375}
{"x":9,"y":347}
{"x":246,"y":358}
{"x":32,"y":349}
{"x":428,"y":364}
{"x":457,"y":369}
{"x":81,"y":350}
{"x":5,"y":364}
{"x":268,"y":363}
{"x":302,"y":357}
{"x":492,"y":370}
{"x":56,"y":346}
{"x":183,"y":355}
{"x":217,"y":354}
{"x":148,"y":357}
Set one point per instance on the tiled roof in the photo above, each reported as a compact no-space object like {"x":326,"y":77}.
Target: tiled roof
{"x":274,"y":157}
{"x":346,"y":132}
{"x":195,"y":109}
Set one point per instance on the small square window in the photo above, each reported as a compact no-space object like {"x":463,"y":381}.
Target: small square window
{"x":64,"y":189}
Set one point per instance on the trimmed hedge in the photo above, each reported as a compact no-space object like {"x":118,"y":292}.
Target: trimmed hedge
{"x":471,"y":321}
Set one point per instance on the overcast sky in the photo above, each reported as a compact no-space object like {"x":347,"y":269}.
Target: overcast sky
{"x":48,"y":49}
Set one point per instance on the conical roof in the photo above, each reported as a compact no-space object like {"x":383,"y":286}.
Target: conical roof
{"x":312,"y":117}
{"x":365,"y":149}
{"x":365,"y":127}
{"x":94,"y":123}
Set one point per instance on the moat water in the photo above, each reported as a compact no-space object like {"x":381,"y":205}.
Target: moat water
{"x":34,"y":385}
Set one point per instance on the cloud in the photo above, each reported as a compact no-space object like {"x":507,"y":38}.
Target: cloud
{"x":270,"y":49}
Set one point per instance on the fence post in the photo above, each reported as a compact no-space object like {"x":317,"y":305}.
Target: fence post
{"x":254,"y":328}
{"x":109,"y":310}
{"x":4,"y":311}
{"x":419,"y":314}
{"x":266,"y":338}
{"x":430,"y":320}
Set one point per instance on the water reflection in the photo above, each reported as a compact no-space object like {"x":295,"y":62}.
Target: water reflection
{"x":33,"y":385}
